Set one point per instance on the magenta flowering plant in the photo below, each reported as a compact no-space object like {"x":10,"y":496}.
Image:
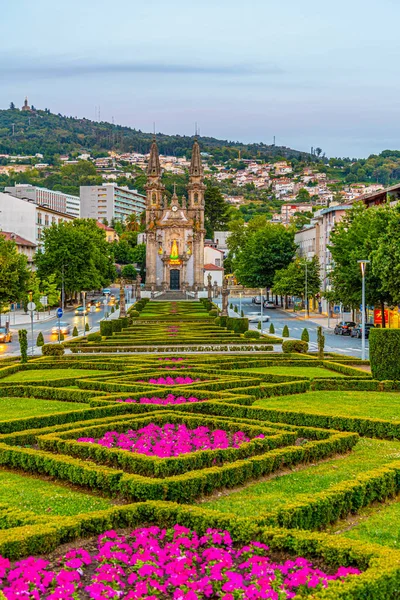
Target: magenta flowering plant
{"x":169,"y":440}
{"x":169,"y":399}
{"x":180,"y":380}
{"x":156,"y":563}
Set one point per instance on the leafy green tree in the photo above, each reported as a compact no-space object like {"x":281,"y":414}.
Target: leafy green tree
{"x":292,"y":280}
{"x":271,"y":328}
{"x":386,"y":256}
{"x":303,"y":195}
{"x":123,"y":252}
{"x":129,"y":272}
{"x":264,"y":252}
{"x":321,"y":343}
{"x":14,"y":274}
{"x":139,"y":257}
{"x":75,"y":332}
{"x":305,"y":337}
{"x":80,"y":251}
{"x":360,"y":236}
{"x":216,"y":210}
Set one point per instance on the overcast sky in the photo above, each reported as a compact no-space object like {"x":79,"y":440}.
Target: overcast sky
{"x":311,"y":73}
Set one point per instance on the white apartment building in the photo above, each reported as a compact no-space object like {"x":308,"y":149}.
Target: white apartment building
{"x":27,"y":219}
{"x":58,"y":201}
{"x":109,"y":201}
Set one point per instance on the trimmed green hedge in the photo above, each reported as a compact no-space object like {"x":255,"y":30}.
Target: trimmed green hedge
{"x":384,"y":353}
{"x":237,"y":325}
{"x":53,"y":350}
{"x":106,"y":328}
{"x":295,"y":346}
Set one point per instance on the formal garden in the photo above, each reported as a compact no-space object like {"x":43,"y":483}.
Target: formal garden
{"x":178,"y":455}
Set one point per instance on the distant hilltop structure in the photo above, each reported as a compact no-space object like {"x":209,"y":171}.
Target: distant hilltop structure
{"x":26,"y":106}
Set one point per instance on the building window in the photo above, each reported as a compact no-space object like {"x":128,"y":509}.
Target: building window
{"x":217,"y":262}
{"x":46,"y":220}
{"x":39,"y":218}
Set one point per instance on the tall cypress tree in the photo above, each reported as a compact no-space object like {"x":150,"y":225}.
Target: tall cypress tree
{"x":216,"y":210}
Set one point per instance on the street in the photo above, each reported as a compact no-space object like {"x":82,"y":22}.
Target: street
{"x":333,"y":343}
{"x":46,"y":326}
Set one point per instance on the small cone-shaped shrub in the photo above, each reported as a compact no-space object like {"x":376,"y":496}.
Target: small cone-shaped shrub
{"x":305,"y":336}
{"x":112,"y":309}
{"x":75,"y":332}
{"x":259,"y":325}
{"x":285,"y":332}
{"x":231,"y":306}
{"x":242,"y":313}
{"x":62,"y":337}
{"x":87,"y":328}
{"x":40,"y":339}
{"x":236,"y":309}
{"x":321,"y":342}
{"x":272,"y":328}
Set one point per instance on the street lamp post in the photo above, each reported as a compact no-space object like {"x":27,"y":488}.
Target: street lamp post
{"x":240,"y":303}
{"x":84,"y":313}
{"x":261,"y":308}
{"x":306,"y":282}
{"x":363,"y":265}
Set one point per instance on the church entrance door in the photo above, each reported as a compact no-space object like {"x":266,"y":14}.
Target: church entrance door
{"x":174,"y":279}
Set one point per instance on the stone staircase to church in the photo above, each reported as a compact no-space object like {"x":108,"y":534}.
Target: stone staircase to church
{"x":172,"y":296}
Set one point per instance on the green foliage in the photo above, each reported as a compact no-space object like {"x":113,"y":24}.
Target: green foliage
{"x":254,"y":335}
{"x":134,"y":314}
{"x":53,"y":350}
{"x":231,"y":306}
{"x":81,"y":249}
{"x":237,"y":325}
{"x":292,"y":280}
{"x":62,"y":336}
{"x":285,"y":331}
{"x":94,"y":337}
{"x":112,"y":309}
{"x":106,"y":328}
{"x":262,"y":253}
{"x":294,"y":346}
{"x":213,"y":313}
{"x":236,"y":308}
{"x":14,"y":274}
{"x":40,"y":339}
{"x":386,"y":255}
{"x":75,"y":332}
{"x":259,"y":326}
{"x":271,"y":328}
{"x":87,"y":328}
{"x":384,"y":352}
{"x":242,"y":313}
{"x":320,"y":342}
{"x":129,"y":272}
{"x":23,"y":344}
{"x":215,"y":210}
{"x":305,"y":337}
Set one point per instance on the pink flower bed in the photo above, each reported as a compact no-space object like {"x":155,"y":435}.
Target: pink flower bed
{"x":170,"y":440}
{"x":170,"y":380}
{"x":156,"y":563}
{"x":169,"y":399}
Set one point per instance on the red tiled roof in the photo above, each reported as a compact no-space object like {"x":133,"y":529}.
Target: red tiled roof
{"x":20,"y":241}
{"x":211,"y":267}
{"x":212,"y":247}
{"x":105,"y":227}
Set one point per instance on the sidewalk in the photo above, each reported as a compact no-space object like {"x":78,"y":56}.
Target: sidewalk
{"x":300,"y":315}
{"x":19,"y":317}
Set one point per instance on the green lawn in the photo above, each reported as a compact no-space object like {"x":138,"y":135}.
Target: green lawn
{"x":41,"y":497}
{"x":379,"y":405}
{"x":46,"y":374}
{"x":306,"y":372}
{"x":262,"y":497}
{"x":17,"y":408}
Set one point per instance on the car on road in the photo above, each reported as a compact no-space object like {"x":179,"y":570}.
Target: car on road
{"x":344,"y":327}
{"x":81,"y":311}
{"x":106,"y":291}
{"x":95,"y":303}
{"x":5,"y":335}
{"x":357,"y":330}
{"x":65,"y":328}
{"x":257,"y":319}
{"x":269,"y":304}
{"x":256,"y":300}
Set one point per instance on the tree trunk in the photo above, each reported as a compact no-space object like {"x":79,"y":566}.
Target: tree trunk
{"x":383,"y":315}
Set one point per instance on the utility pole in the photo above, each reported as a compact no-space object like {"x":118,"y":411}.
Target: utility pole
{"x":363,"y":265}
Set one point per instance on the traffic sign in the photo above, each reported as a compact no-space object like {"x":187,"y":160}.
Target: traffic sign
{"x":59,"y":313}
{"x":43,"y":300}
{"x":336,"y":309}
{"x":31,"y":306}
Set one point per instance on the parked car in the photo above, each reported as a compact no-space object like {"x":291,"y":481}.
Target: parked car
{"x":257,"y":319}
{"x":95,"y":303}
{"x":106,"y":291}
{"x":256,"y":300}
{"x":81,"y":311}
{"x":65,"y":328}
{"x":344,"y":328}
{"x":357,"y":330}
{"x":269,"y":304}
{"x":5,"y":335}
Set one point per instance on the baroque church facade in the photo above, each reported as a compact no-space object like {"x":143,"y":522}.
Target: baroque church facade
{"x":175,"y":229}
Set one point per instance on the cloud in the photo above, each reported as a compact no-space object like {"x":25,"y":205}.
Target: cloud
{"x":35,"y":69}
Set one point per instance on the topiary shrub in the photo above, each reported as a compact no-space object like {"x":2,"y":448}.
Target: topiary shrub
{"x":272,"y":328}
{"x":40,"y":339}
{"x":305,"y":335}
{"x":294,"y":346}
{"x":53,"y":350}
{"x":242,"y":313}
{"x":116,"y":325}
{"x":213,"y":313}
{"x":106,"y":328}
{"x":94,"y":337}
{"x":235,"y":308}
{"x":237,"y":325}
{"x":231,"y":306}
{"x":321,"y":343}
{"x":112,"y":309}
{"x":285,"y":332}
{"x":75,"y":332}
{"x":384,"y":353}
{"x":23,"y":344}
{"x":124,"y":322}
{"x":87,"y":328}
{"x":255,"y":335}
{"x":222,"y":321}
{"x":62,"y":336}
{"x":259,"y":326}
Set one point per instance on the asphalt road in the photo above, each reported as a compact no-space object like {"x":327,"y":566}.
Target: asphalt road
{"x":46,"y":326}
{"x":345,"y":345}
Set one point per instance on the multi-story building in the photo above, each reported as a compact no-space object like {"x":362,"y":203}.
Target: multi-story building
{"x":58,"y":201}
{"x":28,"y":219}
{"x":23,"y":246}
{"x":110,"y":201}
